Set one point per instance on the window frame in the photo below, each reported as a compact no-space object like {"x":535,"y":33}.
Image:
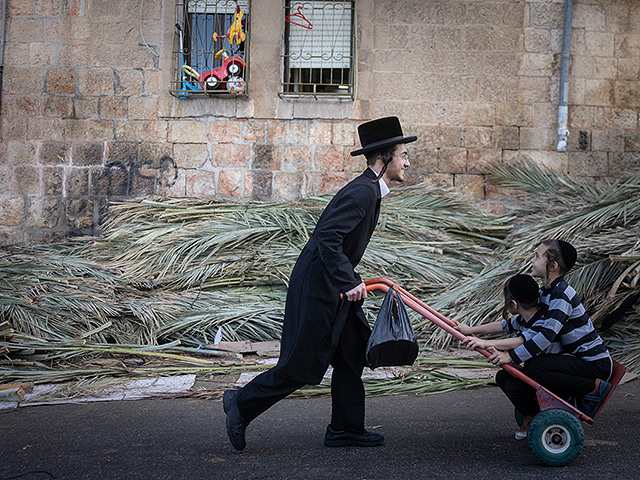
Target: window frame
{"x":304,"y":85}
{"x":197,"y":24}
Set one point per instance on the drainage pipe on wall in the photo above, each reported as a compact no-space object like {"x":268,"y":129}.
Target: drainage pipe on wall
{"x":4,"y":27}
{"x":563,"y":109}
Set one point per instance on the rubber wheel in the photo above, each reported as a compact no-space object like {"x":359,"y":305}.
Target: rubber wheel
{"x":233,"y":69}
{"x":211,"y":84}
{"x":555,"y":437}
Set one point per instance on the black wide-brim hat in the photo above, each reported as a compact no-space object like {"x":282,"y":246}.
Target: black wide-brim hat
{"x":380,"y":133}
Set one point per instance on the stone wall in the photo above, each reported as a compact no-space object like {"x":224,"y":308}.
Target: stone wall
{"x":87,"y":118}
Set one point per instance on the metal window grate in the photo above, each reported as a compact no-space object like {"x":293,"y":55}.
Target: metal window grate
{"x":210,"y":48}
{"x":318,"y":48}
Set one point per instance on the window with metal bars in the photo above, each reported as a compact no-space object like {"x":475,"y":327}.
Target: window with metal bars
{"x":318,"y":48}
{"x":211,"y":48}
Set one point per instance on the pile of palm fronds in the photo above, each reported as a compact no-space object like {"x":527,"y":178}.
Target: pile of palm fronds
{"x":602,"y":222}
{"x":171,"y":274}
{"x":427,"y":238}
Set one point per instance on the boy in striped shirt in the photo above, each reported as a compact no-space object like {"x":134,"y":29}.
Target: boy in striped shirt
{"x":582,"y":369}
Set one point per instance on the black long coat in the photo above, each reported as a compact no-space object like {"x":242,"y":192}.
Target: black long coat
{"x":314,"y":313}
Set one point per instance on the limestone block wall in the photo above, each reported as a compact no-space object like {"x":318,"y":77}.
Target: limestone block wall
{"x":86,"y":117}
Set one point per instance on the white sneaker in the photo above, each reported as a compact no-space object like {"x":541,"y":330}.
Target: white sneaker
{"x":520,"y":435}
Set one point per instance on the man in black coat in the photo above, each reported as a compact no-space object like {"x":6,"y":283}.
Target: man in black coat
{"x":320,"y":328}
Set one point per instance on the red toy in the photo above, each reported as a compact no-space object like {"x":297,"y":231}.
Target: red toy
{"x":216,"y":79}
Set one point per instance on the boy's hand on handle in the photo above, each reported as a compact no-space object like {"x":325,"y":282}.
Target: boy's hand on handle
{"x":474,"y":342}
{"x":357,"y":293}
{"x":464,"y":329}
{"x":498,"y":357}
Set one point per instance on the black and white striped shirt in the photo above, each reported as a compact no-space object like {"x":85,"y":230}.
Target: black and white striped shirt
{"x":565,"y":321}
{"x":528,"y":330}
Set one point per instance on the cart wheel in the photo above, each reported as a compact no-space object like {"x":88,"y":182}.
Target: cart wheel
{"x":555,"y":437}
{"x":519,"y":417}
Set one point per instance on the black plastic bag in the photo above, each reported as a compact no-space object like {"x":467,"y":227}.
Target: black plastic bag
{"x":392,"y":341}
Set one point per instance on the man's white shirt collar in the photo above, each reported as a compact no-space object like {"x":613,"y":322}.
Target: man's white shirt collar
{"x":384,"y":188}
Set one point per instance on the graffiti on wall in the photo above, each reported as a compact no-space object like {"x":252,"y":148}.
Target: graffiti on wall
{"x":136,"y":177}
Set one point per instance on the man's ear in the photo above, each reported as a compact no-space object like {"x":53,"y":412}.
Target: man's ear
{"x":378,"y":161}
{"x":553,"y":266}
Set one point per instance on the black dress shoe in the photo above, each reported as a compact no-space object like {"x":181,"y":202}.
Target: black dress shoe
{"x":236,"y":425}
{"x":342,"y":438}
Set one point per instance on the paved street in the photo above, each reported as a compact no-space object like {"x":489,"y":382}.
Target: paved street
{"x":451,"y":435}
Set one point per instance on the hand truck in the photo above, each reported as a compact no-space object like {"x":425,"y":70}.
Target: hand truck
{"x":555,"y":435}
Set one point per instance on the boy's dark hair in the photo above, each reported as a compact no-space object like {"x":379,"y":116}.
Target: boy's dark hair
{"x":561,"y":252}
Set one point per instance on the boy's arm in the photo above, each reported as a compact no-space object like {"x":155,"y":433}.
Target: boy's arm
{"x":503,"y":344}
{"x":484,"y":329}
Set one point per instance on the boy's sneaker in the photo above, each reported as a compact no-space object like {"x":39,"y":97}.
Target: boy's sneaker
{"x":592,"y":401}
{"x":521,"y":433}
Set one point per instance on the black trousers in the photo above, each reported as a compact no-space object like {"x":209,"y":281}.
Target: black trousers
{"x":565,"y":375}
{"x":347,"y":389}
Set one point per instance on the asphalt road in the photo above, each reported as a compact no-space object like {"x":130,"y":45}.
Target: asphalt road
{"x":464,"y":434}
